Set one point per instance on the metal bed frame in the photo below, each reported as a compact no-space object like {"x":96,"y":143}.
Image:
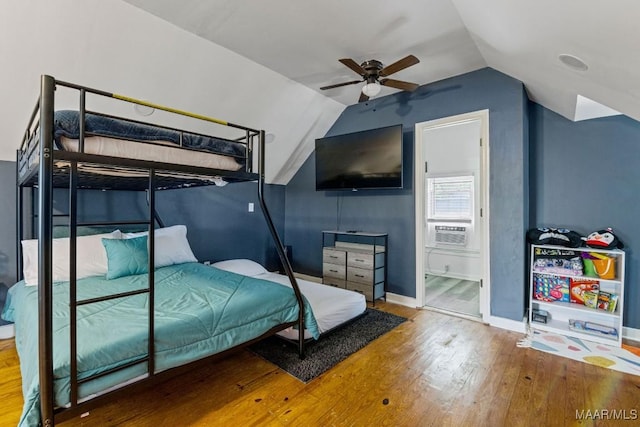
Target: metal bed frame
{"x":47,"y":176}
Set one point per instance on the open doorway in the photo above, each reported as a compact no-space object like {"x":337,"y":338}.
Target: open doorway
{"x":451,"y":188}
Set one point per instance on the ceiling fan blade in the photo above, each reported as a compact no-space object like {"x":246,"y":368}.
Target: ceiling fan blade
{"x":353,"y":65}
{"x":341,"y":84}
{"x":363,"y":97}
{"x":405,"y":62}
{"x":399,"y":84}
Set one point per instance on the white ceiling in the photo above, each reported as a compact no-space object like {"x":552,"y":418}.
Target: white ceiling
{"x":303,"y":41}
{"x":117,"y":47}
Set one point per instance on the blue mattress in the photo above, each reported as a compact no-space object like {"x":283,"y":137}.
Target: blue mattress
{"x":67,"y":123}
{"x":200,"y":310}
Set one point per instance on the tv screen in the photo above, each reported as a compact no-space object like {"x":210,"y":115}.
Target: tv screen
{"x":360,"y":160}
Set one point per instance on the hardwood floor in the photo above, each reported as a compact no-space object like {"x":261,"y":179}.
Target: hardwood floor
{"x":455,"y":295}
{"x":434,"y":370}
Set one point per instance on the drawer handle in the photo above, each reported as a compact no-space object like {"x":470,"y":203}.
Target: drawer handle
{"x":333,"y":271}
{"x":359,"y":260}
{"x":359,"y":275}
{"x":358,"y":291}
{"x":333,"y":256}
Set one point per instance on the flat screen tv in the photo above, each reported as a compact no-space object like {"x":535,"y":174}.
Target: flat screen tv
{"x":360,"y":160}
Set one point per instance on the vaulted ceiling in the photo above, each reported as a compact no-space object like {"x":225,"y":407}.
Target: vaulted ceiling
{"x":262,"y":63}
{"x":303,"y":41}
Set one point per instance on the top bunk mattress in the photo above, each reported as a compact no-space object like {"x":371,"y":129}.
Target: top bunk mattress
{"x":115,"y":137}
{"x":67,"y":124}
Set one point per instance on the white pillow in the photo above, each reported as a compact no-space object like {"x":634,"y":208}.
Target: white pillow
{"x":245,"y":267}
{"x":91,"y":257}
{"x":171,"y":245}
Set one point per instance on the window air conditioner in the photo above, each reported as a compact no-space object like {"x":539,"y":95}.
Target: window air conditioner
{"x":451,"y":235}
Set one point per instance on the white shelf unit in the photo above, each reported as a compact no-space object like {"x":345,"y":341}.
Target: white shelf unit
{"x":560,"y":312}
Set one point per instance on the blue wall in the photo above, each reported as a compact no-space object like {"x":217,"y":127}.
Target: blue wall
{"x":392,"y":211}
{"x":585,"y":177}
{"x":7,"y":229}
{"x":578,"y":175}
{"x":219,"y":225}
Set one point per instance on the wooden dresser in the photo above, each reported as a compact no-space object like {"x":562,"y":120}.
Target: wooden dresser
{"x":356,"y":261}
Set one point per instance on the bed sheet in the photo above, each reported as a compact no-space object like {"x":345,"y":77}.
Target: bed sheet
{"x":331,"y":306}
{"x":200,"y":310}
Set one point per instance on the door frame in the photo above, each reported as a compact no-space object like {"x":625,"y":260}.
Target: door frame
{"x":419,"y":187}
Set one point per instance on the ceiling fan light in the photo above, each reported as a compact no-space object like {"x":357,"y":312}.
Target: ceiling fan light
{"x":371,"y":89}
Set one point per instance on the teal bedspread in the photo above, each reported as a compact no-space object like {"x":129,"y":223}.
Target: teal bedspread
{"x":200,"y":310}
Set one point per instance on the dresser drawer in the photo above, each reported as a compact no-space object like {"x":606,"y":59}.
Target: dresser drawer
{"x":335,"y":282}
{"x":360,"y":259}
{"x":334,"y":270}
{"x":360,"y":275}
{"x":366,"y":290}
{"x":334,"y":256}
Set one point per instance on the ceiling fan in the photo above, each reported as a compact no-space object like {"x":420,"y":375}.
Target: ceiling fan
{"x":371,"y":72}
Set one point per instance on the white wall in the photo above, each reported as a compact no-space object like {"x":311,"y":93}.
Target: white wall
{"x":113,"y":46}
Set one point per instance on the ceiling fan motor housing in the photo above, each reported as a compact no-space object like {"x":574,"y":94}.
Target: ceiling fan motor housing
{"x":372,"y":68}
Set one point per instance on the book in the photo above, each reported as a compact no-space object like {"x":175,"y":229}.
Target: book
{"x":607,"y":301}
{"x":591,"y":298}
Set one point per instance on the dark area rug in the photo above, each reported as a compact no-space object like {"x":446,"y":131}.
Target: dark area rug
{"x":330,"y":349}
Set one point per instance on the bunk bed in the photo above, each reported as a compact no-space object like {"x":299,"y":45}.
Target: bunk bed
{"x":72,"y":355}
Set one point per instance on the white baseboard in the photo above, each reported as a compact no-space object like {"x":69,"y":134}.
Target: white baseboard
{"x":508,"y":324}
{"x":7,"y":331}
{"x":631,"y":333}
{"x":402,"y":300}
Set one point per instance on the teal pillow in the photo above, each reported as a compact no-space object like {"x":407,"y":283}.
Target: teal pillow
{"x":126,"y":257}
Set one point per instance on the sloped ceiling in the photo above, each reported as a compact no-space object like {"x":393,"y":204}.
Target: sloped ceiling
{"x":303,"y":40}
{"x":261,"y":63}
{"x":116,"y":47}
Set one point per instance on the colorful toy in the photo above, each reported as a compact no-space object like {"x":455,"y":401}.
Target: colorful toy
{"x":554,"y":236}
{"x":550,"y":288}
{"x":587,"y":262}
{"x":604,"y":239}
{"x":591,"y":298}
{"x":604,"y":266}
{"x":579,"y":287}
{"x":557,"y":261}
{"x":607,"y":301}
{"x":592,"y":328}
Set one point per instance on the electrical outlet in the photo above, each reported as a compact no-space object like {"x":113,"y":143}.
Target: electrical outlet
{"x":251,"y":207}
{"x":446,"y":268}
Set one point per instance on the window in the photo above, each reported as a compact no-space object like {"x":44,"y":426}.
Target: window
{"x":450,"y":198}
